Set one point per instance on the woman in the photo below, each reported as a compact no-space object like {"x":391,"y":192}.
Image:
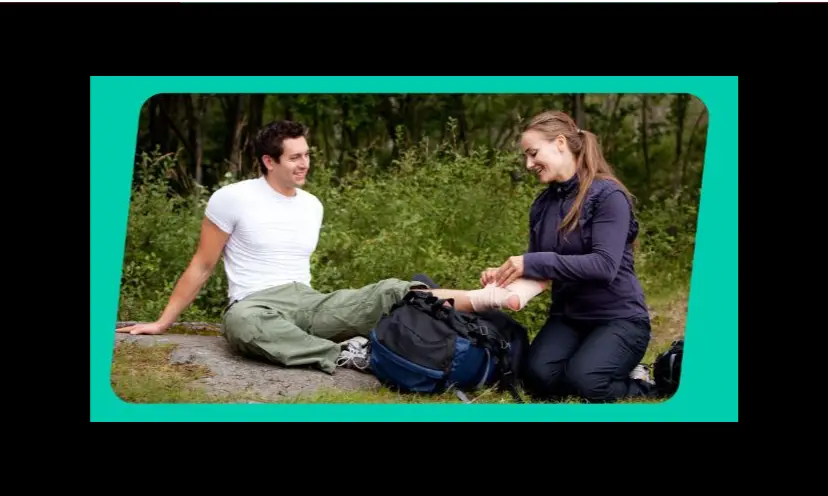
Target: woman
{"x":582,"y":230}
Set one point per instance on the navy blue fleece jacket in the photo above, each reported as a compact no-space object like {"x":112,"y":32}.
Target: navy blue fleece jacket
{"x":592,"y":267}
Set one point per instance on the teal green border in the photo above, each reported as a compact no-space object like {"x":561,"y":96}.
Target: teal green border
{"x":711,"y":334}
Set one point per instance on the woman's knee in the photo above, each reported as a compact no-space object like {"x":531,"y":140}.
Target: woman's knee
{"x":548,"y":355}
{"x":542,"y":376}
{"x":588,"y":382}
{"x":600,"y":370}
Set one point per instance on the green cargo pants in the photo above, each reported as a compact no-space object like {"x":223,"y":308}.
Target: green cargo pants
{"x":295,"y":325}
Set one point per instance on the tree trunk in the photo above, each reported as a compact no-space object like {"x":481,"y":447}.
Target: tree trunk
{"x":681,"y":113}
{"x":458,"y":111}
{"x":255,"y":116}
{"x":644,"y":143}
{"x":236,"y":126}
{"x":578,"y":110}
{"x":195,"y":108}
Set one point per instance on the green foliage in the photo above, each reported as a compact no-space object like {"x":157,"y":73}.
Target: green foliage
{"x":668,"y":235}
{"x":162,"y":236}
{"x":434,"y":210}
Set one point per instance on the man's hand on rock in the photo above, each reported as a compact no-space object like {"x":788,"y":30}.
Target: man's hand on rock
{"x":150,"y":328}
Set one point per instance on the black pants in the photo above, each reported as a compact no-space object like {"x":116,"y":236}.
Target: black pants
{"x":592,"y":360}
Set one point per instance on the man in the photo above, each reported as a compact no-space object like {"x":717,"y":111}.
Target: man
{"x":267,"y":228}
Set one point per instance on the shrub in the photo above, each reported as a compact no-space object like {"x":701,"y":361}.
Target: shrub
{"x":435,"y":211}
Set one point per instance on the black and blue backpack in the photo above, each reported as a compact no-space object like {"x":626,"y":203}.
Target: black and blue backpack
{"x":422,"y":345}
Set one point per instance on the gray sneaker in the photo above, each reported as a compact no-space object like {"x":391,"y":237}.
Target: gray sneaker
{"x":642,"y":373}
{"x":355,"y":342}
{"x":354,"y":354}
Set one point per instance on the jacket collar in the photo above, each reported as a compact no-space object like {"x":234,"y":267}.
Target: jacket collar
{"x":563,"y":189}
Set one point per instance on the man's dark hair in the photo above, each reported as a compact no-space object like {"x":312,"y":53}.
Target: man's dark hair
{"x":270,"y":137}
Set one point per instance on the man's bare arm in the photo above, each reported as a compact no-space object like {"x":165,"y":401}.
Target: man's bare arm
{"x":210,"y":246}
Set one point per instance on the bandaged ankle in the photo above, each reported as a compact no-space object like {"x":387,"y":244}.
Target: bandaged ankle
{"x":526,"y":289}
{"x":493,"y":296}
{"x":489,"y":297}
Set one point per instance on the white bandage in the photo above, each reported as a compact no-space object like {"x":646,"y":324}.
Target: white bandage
{"x":493,"y":296}
{"x":526,"y":289}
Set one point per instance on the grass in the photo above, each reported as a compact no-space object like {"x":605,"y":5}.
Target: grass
{"x":668,"y":315}
{"x":144,"y":374}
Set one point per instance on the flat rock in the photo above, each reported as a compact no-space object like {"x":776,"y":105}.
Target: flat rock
{"x":232,"y":373}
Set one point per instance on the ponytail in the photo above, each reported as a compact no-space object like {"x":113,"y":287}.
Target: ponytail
{"x":591,"y":156}
{"x":590,"y":165}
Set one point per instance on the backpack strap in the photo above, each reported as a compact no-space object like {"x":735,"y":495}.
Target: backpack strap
{"x":501,"y":349}
{"x":428,"y":303}
{"x":507,"y":376}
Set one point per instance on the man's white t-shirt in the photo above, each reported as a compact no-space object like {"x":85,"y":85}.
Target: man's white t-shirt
{"x":272,"y":236}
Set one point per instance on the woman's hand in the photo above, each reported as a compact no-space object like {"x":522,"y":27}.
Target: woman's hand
{"x":510,"y":271}
{"x":488,"y":276}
